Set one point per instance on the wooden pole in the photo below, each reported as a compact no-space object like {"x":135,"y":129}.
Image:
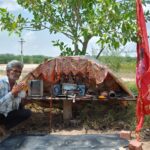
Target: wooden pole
{"x":67,"y":110}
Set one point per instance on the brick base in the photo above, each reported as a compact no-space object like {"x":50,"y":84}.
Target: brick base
{"x":135,"y":145}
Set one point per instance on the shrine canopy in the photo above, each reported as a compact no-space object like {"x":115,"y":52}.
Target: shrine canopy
{"x":86,"y":70}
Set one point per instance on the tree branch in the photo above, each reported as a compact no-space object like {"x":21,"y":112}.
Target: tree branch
{"x":99,"y":53}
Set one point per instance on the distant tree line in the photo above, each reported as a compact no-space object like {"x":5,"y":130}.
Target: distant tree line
{"x":34,"y":59}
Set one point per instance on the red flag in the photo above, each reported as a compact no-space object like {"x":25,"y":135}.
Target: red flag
{"x":142,"y":68}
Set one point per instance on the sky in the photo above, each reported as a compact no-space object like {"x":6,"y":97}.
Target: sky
{"x":39,"y":42}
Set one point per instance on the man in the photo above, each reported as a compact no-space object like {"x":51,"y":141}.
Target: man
{"x":11,"y":93}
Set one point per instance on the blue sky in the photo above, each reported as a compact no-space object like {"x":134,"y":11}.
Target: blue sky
{"x":39,"y":42}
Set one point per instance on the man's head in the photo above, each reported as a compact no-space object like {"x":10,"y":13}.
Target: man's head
{"x":14,"y":69}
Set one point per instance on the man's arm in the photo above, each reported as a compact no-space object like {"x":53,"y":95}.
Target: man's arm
{"x":3,"y":98}
{"x":4,"y":94}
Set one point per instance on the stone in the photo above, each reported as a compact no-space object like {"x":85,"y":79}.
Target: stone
{"x":125,"y":134}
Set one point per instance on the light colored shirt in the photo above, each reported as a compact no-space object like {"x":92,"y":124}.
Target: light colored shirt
{"x":7,"y":101}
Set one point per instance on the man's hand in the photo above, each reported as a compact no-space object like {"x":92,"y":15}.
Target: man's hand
{"x":17,"y":88}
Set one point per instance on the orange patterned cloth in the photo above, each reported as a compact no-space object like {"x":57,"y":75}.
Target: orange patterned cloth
{"x":52,"y":70}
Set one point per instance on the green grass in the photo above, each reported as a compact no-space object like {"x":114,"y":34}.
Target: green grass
{"x":127,"y":67}
{"x":119,"y":64}
{"x":132,"y":86}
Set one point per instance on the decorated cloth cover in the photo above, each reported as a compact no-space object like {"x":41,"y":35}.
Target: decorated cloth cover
{"x":52,"y":70}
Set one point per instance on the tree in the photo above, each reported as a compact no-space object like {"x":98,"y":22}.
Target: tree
{"x":113,"y":21}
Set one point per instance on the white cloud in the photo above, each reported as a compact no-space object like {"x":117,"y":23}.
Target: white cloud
{"x":30,"y":40}
{"x":30,"y":36}
{"x":11,"y":5}
{"x":38,"y":43}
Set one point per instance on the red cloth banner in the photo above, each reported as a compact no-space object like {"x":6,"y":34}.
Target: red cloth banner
{"x":142,"y":68}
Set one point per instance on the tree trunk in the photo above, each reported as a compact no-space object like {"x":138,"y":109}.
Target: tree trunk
{"x":85,"y":44}
{"x":76,"y":49}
